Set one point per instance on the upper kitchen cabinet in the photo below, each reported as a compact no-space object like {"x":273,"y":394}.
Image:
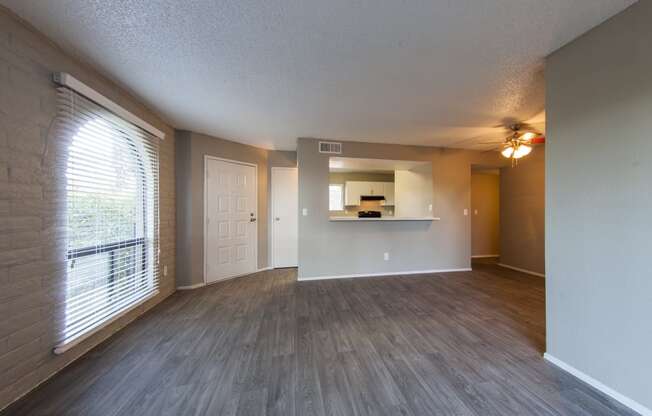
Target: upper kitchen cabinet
{"x":388,"y":192}
{"x":354,"y":190}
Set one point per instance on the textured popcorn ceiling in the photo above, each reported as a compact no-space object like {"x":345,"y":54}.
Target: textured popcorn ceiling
{"x":428,"y":72}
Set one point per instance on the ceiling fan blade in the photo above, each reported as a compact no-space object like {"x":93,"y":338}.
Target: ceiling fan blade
{"x":526,"y":127}
{"x":538,"y":140}
{"x":490,"y":150}
{"x":474,"y":140}
{"x":511,"y":129}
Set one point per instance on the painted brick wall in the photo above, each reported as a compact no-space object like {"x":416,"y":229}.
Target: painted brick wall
{"x":31,"y":263}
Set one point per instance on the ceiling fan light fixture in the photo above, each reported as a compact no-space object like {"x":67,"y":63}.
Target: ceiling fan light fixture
{"x":519,"y":143}
{"x":521,"y":151}
{"x":528,"y":136}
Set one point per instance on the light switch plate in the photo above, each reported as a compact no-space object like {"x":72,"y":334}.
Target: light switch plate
{"x":466,"y":212}
{"x":304,"y":212}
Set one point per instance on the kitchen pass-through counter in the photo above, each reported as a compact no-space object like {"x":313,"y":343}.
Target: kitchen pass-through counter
{"x":351,"y":218}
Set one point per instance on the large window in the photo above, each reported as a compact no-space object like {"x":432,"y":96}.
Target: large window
{"x":335,"y":197}
{"x":111,"y":216}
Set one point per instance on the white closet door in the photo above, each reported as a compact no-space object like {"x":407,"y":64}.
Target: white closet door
{"x":231,"y":234}
{"x":285,"y":217}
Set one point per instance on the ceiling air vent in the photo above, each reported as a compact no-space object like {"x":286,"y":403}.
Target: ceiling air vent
{"x":330,"y":147}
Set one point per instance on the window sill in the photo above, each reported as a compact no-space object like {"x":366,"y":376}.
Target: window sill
{"x":71,"y":342}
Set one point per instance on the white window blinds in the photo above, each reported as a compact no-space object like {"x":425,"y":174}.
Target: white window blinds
{"x":111,"y":216}
{"x":335,"y":197}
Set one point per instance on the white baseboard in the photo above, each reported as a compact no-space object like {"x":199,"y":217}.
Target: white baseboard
{"x":413,"y":272}
{"x":191,"y":287}
{"x":202,"y":284}
{"x":518,"y":269}
{"x":632,"y":404}
{"x":485,"y":256}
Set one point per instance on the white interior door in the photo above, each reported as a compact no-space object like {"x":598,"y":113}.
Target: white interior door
{"x":285,"y":217}
{"x":230,"y":219}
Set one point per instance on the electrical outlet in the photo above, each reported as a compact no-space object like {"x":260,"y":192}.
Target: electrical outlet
{"x":165,"y":270}
{"x":430,"y":207}
{"x":386,"y":256}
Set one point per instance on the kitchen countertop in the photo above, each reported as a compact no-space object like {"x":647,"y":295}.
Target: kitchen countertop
{"x":350,"y":218}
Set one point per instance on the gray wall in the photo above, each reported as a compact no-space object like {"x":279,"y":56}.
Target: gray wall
{"x":485,"y":225}
{"x":599,"y":199}
{"x":522,"y":213}
{"x":32,"y":244}
{"x":343,"y":248}
{"x":191,"y":149}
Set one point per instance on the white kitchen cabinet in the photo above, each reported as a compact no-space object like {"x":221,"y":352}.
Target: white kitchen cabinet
{"x":376,"y":188}
{"x":388,"y":192}
{"x":354,"y":189}
{"x":352,"y":192}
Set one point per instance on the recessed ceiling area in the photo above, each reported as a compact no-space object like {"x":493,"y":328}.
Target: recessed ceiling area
{"x":442,"y":72}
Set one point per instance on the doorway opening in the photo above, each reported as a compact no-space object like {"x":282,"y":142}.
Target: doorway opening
{"x":485,"y":214}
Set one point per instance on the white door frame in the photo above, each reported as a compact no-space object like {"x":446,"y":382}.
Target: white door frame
{"x":273,"y":213}
{"x":237,"y":162}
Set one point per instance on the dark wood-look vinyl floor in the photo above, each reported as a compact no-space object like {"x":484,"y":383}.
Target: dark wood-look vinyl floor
{"x":442,"y":344}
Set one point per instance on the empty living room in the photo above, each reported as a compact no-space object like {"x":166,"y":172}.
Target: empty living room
{"x":325,"y":208}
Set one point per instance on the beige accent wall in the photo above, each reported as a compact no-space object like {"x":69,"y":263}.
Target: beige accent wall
{"x":32,"y":267}
{"x":191,"y":149}
{"x":485,"y":214}
{"x":522,"y":213}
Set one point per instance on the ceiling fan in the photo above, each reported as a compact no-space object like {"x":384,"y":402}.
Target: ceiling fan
{"x":520,"y":141}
